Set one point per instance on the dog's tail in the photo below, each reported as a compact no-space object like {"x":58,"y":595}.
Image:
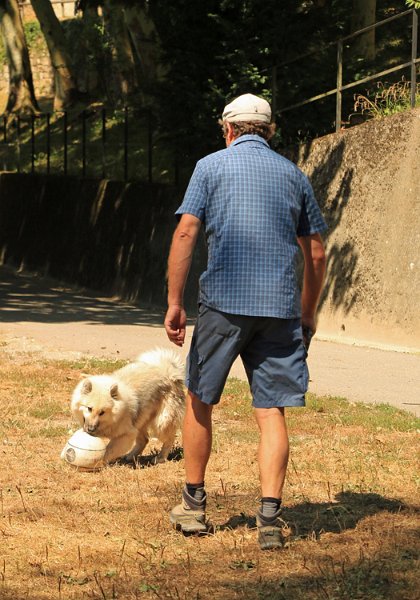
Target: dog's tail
{"x":169,"y":361}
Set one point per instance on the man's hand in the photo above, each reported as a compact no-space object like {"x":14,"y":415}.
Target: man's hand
{"x":179,"y":261}
{"x":313,"y":279}
{"x":175,"y":324}
{"x":308,"y":329}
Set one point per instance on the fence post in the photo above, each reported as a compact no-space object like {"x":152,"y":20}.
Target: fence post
{"x":65,"y":142}
{"x":414,"y":34}
{"x":125,"y":143}
{"x":32,"y":144}
{"x":48,"y":143}
{"x":103,"y":138}
{"x":150,"y":145}
{"x":84,"y":143}
{"x":339,"y":85}
{"x":18,"y":142}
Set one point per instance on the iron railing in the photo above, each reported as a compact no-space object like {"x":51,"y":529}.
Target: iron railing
{"x":109,"y":143}
{"x":340,"y":87}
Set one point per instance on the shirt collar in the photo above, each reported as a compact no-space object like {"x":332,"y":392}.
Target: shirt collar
{"x":250,"y":138}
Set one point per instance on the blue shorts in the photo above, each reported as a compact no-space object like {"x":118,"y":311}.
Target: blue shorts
{"x":271,"y":350}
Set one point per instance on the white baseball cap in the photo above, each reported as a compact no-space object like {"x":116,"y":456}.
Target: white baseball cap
{"x":247,"y":108}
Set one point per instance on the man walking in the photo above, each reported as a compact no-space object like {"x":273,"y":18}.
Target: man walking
{"x":257,"y":209}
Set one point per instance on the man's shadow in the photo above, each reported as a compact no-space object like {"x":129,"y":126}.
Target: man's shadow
{"x":315,"y":518}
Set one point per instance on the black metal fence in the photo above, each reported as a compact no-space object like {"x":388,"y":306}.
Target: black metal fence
{"x":121,"y":144}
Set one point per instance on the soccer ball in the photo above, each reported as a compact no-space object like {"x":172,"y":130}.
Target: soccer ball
{"x":85,"y":451}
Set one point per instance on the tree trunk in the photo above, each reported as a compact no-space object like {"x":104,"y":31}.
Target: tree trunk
{"x":146,"y":44}
{"x":363,"y":15}
{"x":66,"y":92}
{"x":21,"y":98}
{"x":122,"y":54}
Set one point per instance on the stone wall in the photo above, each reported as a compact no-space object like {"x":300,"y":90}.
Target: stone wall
{"x":64,"y":9}
{"x":42,"y":74}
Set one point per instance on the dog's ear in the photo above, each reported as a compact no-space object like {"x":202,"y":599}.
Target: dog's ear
{"x":114,"y":391}
{"x":86,"y":386}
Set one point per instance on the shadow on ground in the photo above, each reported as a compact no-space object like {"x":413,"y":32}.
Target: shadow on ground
{"x":314,"y":518}
{"x":26,"y":297}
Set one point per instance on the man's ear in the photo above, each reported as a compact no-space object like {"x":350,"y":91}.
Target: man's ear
{"x":229,"y":134}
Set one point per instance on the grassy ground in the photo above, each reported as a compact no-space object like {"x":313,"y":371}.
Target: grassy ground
{"x":350,"y":500}
{"x":114,"y":149}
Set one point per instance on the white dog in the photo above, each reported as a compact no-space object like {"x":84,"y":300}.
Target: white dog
{"x":145,"y":398}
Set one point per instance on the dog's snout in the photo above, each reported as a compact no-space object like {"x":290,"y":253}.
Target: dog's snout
{"x":90,"y":427}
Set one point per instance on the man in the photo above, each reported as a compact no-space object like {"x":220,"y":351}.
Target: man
{"x":257,"y":209}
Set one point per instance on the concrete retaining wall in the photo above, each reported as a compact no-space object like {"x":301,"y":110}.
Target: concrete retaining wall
{"x":367,"y":179}
{"x":115,"y":237}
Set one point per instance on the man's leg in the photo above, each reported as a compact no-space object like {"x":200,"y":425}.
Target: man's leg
{"x":273,"y":455}
{"x":273,"y":451}
{"x":196,"y":438}
{"x":189,"y":516}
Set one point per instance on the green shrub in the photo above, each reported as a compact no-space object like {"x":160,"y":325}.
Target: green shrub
{"x":386,"y":99}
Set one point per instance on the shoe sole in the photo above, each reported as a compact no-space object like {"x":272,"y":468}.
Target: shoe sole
{"x":271,"y":545}
{"x":270,"y":538}
{"x":185,"y":527}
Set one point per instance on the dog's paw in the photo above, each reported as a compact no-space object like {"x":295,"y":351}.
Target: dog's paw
{"x":158,"y":460}
{"x":126,"y":460}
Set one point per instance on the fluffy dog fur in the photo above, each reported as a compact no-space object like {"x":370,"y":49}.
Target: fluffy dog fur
{"x":145,"y":398}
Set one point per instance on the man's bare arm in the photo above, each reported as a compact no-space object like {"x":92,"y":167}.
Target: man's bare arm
{"x":313,"y":277}
{"x":179,"y":263}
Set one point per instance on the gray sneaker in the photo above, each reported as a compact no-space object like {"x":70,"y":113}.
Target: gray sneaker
{"x":190,"y":515}
{"x":270,"y":534}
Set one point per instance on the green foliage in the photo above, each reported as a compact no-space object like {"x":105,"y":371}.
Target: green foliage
{"x":33,"y":35}
{"x":386,"y":99}
{"x":216,"y":50}
{"x":90,"y":49}
{"x":413,"y":3}
{"x":88,"y":41}
{"x":34,"y":39}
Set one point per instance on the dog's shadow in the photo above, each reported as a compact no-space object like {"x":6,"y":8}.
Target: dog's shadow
{"x":150,"y":460}
{"x":315,"y":518}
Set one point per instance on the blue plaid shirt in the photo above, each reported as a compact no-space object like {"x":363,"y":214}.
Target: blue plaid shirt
{"x":253,"y":203}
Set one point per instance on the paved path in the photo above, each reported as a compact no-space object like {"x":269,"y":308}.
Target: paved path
{"x":39,"y":315}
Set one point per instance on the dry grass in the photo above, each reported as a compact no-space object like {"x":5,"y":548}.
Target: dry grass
{"x":350,"y":500}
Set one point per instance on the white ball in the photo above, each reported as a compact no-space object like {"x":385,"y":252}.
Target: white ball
{"x":85,"y":451}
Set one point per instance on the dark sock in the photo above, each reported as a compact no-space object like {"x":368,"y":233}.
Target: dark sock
{"x":270,"y":506}
{"x":196,"y":490}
